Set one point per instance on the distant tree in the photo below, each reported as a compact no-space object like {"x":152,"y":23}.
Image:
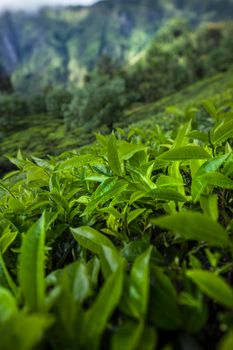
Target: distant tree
{"x":109,"y":66}
{"x":101,"y":101}
{"x":5,"y":82}
{"x":57,"y":101}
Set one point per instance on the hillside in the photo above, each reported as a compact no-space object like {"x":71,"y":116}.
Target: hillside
{"x":125,"y":243}
{"x":116,"y":176}
{"x":59,"y":45}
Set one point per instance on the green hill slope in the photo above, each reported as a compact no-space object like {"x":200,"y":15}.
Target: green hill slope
{"x":45,"y":135}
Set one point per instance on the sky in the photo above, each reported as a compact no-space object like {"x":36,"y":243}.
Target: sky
{"x":32,"y":5}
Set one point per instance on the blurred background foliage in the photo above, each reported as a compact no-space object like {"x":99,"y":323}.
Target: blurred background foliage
{"x":66,"y":73}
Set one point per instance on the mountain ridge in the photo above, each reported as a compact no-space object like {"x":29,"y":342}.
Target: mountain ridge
{"x":59,"y":45}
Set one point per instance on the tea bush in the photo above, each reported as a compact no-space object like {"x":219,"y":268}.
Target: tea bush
{"x":123,"y":244}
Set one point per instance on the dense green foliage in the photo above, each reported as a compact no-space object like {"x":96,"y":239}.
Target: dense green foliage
{"x":123,"y":244}
{"x":116,"y":216}
{"x":179,"y":56}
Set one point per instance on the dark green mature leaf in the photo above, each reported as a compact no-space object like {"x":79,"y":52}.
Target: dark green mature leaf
{"x":31,"y":269}
{"x":127,"y":337}
{"x":133,"y":249}
{"x":91,"y":239}
{"x":110,"y":260}
{"x":163,"y":306}
{"x":185,"y":153}
{"x":212,"y":285}
{"x":98,"y":315}
{"x":198,"y":135}
{"x":113,"y":158}
{"x":194,"y":226}
{"x":148,"y":339}
{"x":25,"y":331}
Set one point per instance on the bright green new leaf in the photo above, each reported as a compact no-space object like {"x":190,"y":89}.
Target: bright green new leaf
{"x":24,"y":330}
{"x":7,"y":305}
{"x":227,"y":341}
{"x":8,"y":237}
{"x":139,"y":285}
{"x":181,"y":139}
{"x":31,"y":269}
{"x":218,"y":180}
{"x":133,"y":214}
{"x":5,"y":277}
{"x":91,"y":239}
{"x":127,"y":150}
{"x":223,"y":132}
{"x":185,"y":153}
{"x":210,"y":108}
{"x":209,"y":205}
{"x":113,"y":158}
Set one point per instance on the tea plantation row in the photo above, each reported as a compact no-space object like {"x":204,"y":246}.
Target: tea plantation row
{"x":125,"y":244}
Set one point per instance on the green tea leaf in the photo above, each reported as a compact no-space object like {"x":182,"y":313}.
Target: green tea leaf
{"x":181,"y":139}
{"x":223,"y":132}
{"x":218,"y":179}
{"x":127,"y":337}
{"x":110,"y":260}
{"x":24,"y":330}
{"x":185,"y":153}
{"x":167,"y":195}
{"x":4,"y":274}
{"x":91,"y":239}
{"x":210,"y":108}
{"x":7,"y":305}
{"x":133,"y":214}
{"x":209,"y":205}
{"x":127,"y":150}
{"x":100,"y":312}
{"x":139,"y":285}
{"x":227,"y":341}
{"x":7,"y":239}
{"x":31,"y":269}
{"x":194,"y":226}
{"x":113,"y":158}
{"x":163,"y":306}
{"x":212,"y":285}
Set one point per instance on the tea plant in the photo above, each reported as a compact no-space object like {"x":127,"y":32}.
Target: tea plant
{"x":126,"y":244}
